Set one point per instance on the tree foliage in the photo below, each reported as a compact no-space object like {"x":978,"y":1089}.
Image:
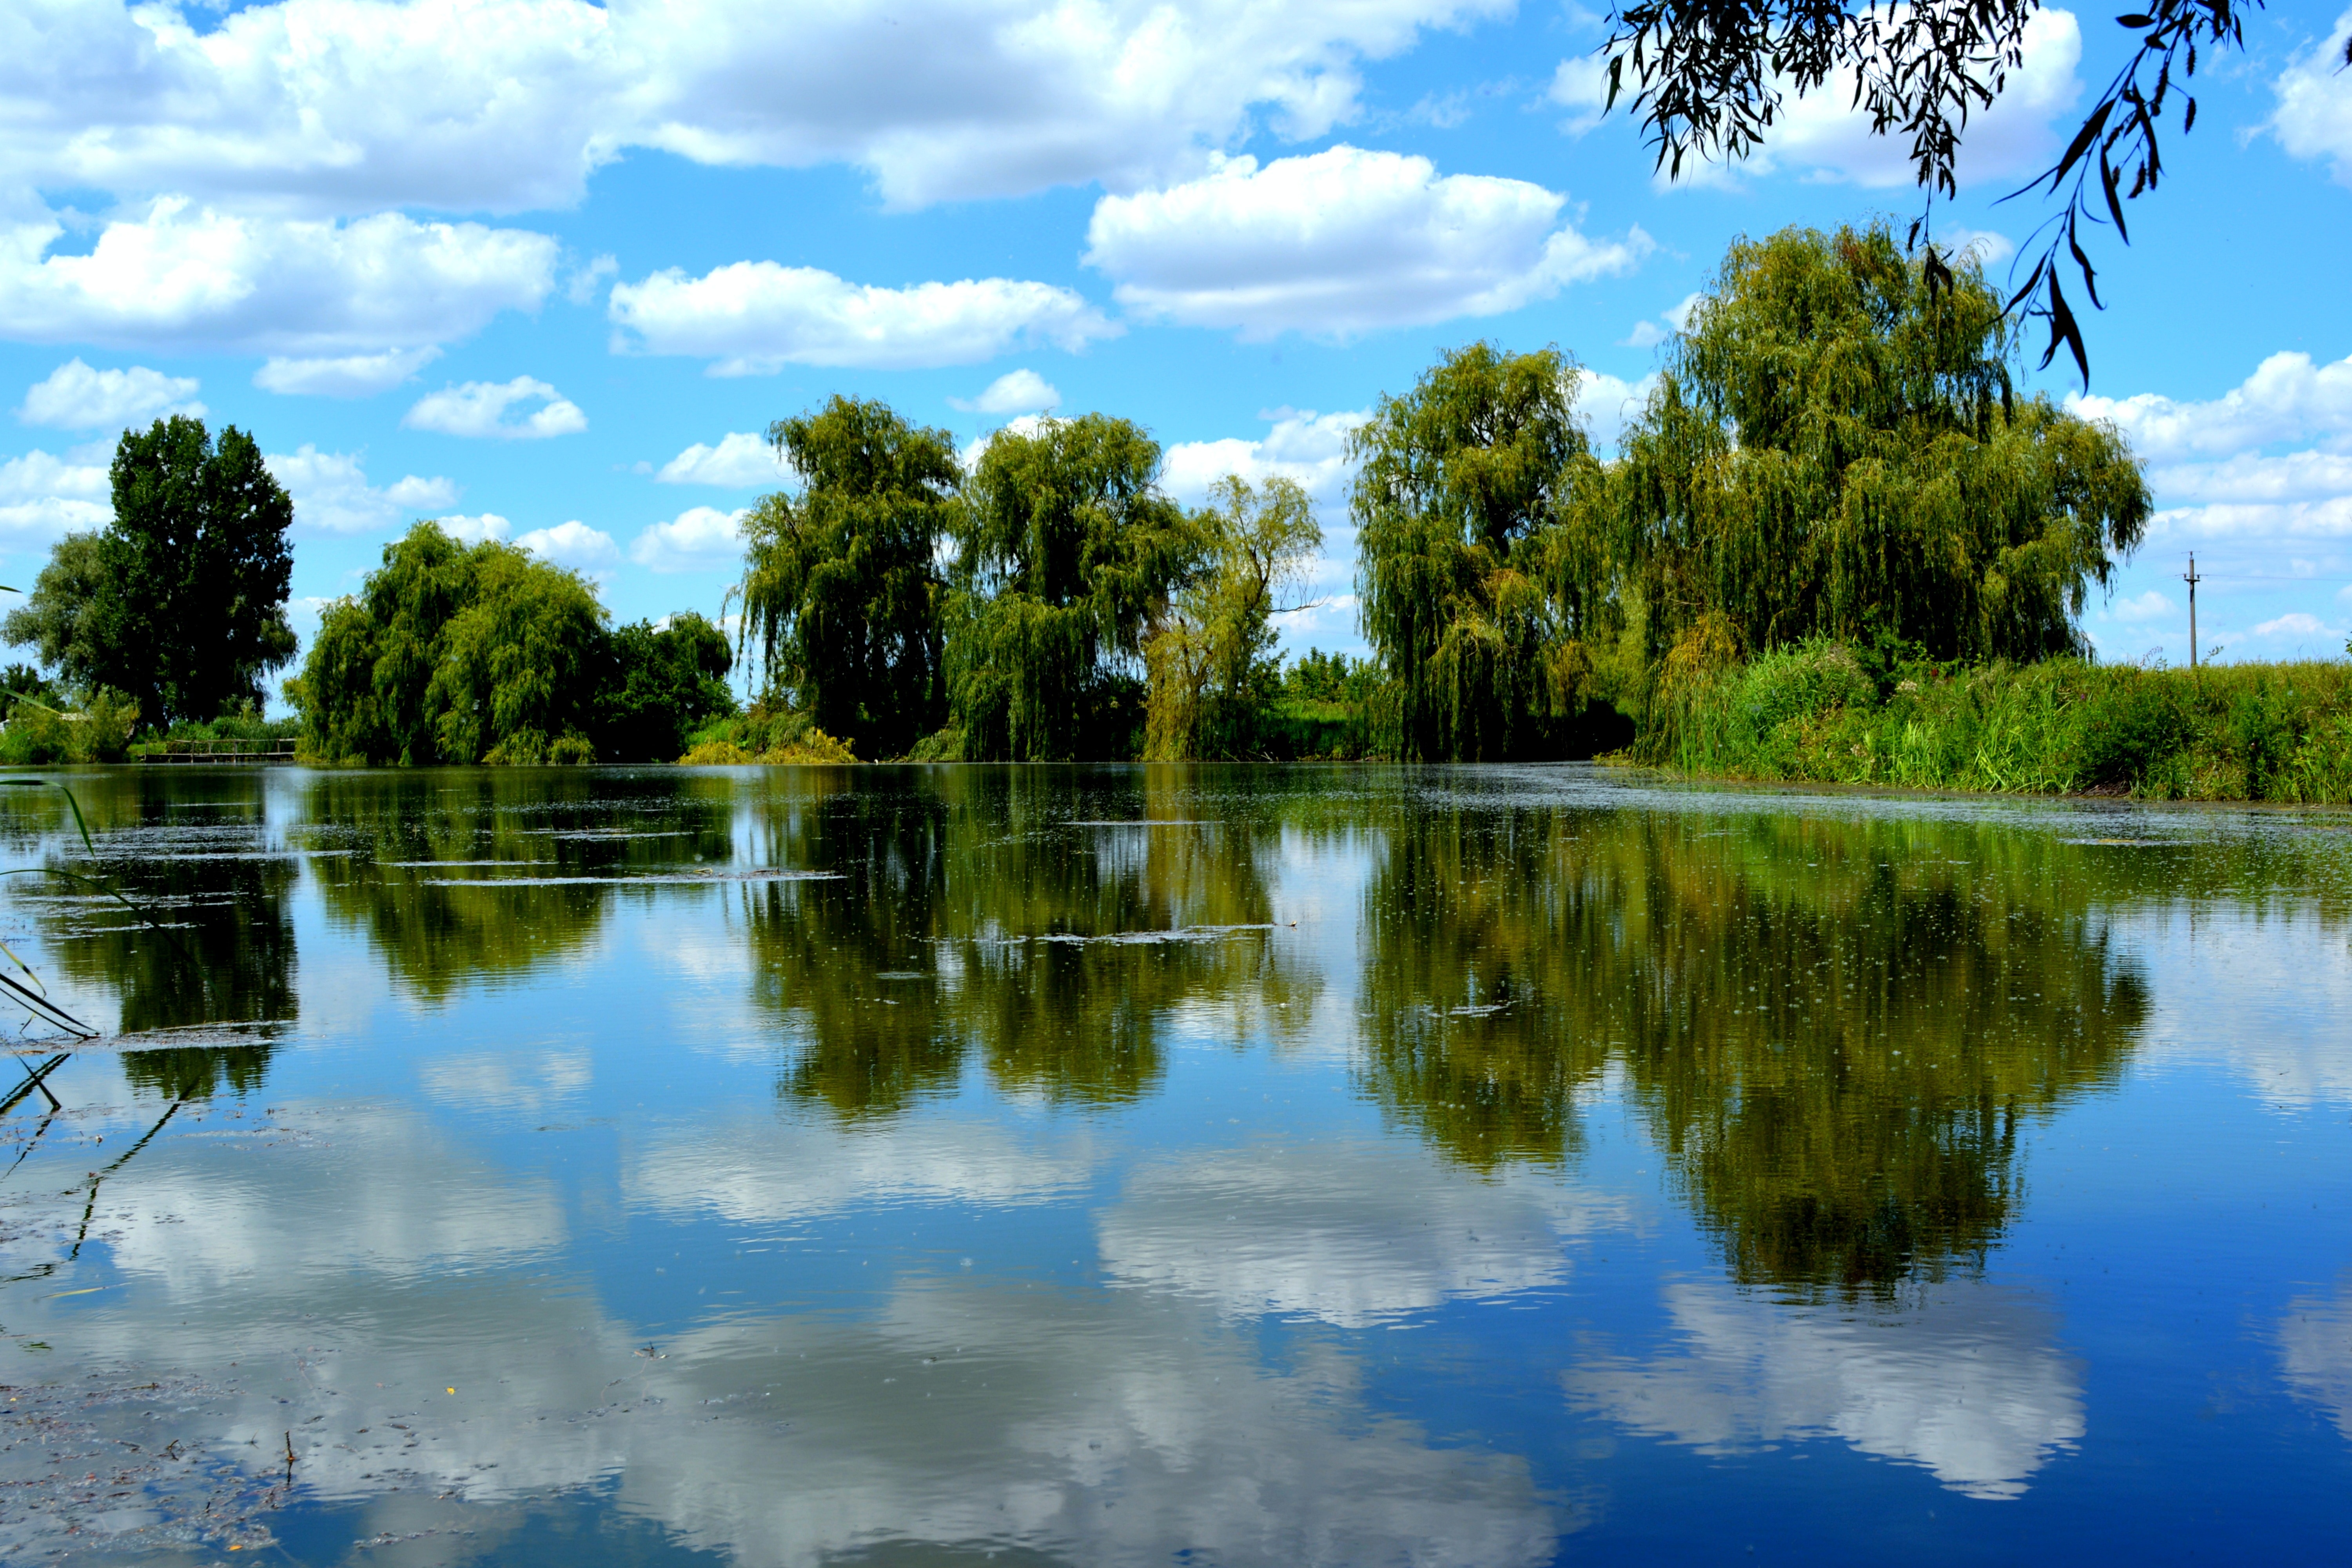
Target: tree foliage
{"x":1211,"y":663}
{"x":661,"y":683}
{"x":451,"y":654}
{"x":180,"y":602}
{"x":1458,"y":484}
{"x":1709,"y":78}
{"x":840,"y":588}
{"x":1067,"y":553}
{"x":1835,"y":448}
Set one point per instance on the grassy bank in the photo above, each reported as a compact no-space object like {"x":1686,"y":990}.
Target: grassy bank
{"x":2266,"y":731}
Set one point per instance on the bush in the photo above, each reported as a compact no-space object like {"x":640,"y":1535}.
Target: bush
{"x":765,"y":734}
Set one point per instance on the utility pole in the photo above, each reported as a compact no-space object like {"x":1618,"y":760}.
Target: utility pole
{"x":2192,"y":578}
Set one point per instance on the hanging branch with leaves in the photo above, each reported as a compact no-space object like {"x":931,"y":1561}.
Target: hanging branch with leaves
{"x":1709,"y":78}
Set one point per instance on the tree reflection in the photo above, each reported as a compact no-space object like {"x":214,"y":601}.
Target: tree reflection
{"x":205,"y":939}
{"x":464,"y":877}
{"x":1043,"y":921}
{"x":1831,"y":1028}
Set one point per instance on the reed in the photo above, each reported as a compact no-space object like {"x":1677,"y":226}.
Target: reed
{"x":1825,"y":712}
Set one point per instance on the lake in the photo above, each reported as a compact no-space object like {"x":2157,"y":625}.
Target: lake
{"x":1352,"y":1165}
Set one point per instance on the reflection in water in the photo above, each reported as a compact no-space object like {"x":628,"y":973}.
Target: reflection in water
{"x":1963,"y":1383}
{"x":2316,"y":1347}
{"x":1831,"y":1028}
{"x":1345,"y":1235}
{"x":1070,"y":1239}
{"x":207,"y":943}
{"x":994,"y":911}
{"x":463,"y":877}
{"x":965,"y":1411}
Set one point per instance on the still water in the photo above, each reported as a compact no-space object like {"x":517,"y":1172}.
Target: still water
{"x":1172,"y":1166}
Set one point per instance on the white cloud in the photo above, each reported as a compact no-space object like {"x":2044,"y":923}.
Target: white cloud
{"x":1964,"y":1382}
{"x":700,"y":538}
{"x":1644,"y":335}
{"x":188,"y":277}
{"x":1014,"y":392}
{"x":2299,"y":628}
{"x":573,"y":544}
{"x":478,"y":408}
{"x":1608,"y":403}
{"x":2287,"y":398}
{"x":2314,"y":119}
{"x":75,"y":397}
{"x":331,"y":493}
{"x":1580,"y":86}
{"x":476,"y":530}
{"x":1824,"y":137}
{"x":752,"y":318}
{"x":1341,"y":243}
{"x":343,"y":376}
{"x":2151,"y":605}
{"x":1019,"y":424}
{"x":1303,"y":446}
{"x":740,"y":462}
{"x":344,"y":105}
{"x":43,"y":497}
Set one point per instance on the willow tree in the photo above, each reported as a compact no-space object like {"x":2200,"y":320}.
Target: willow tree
{"x":1836,"y":448}
{"x":1069,"y":551}
{"x":840,"y":588}
{"x":1211,"y":661}
{"x":451,"y":654}
{"x":1453,"y":503}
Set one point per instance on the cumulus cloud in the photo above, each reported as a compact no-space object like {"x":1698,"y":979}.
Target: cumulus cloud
{"x":44,"y":497}
{"x":740,"y":462}
{"x":1580,"y":86}
{"x":331,"y":491}
{"x":573,"y":544}
{"x":700,"y":538}
{"x":753,"y":318}
{"x":1341,"y":243}
{"x":2208,"y":466}
{"x":1607,"y":403}
{"x":2287,"y":398}
{"x":478,"y":409}
{"x":184,"y":276}
{"x":314,"y":106}
{"x":1014,"y":392}
{"x":343,"y":376}
{"x":2314,"y":119}
{"x":476,"y":529}
{"x":1301,"y":445}
{"x":75,"y":397}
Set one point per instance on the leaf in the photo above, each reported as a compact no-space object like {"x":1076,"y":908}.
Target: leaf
{"x":2082,"y":142}
{"x":2063,"y":327}
{"x":2134,"y":20}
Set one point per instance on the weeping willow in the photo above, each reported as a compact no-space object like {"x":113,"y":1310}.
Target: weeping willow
{"x":1069,"y":552}
{"x":1835,"y":448}
{"x":840,"y":589}
{"x":1458,"y":487}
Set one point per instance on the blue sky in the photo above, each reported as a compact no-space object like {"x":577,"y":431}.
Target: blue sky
{"x":549,"y":269}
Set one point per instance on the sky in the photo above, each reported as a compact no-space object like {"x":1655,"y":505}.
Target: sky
{"x":548,"y":270}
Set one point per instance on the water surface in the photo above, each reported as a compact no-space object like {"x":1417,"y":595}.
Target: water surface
{"x":1200,"y":1165}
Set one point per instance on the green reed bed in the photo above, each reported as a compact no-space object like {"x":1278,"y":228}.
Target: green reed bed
{"x":2248,"y":732}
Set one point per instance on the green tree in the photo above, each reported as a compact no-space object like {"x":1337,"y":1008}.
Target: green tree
{"x":455,"y":655}
{"x":841,"y":589}
{"x":1458,"y":485}
{"x":1069,"y":551}
{"x":662,"y":683}
{"x":1210,"y":662}
{"x":1835,"y":448}
{"x":180,"y":602}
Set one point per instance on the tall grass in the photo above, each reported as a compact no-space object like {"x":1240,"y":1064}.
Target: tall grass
{"x":2252,"y":731}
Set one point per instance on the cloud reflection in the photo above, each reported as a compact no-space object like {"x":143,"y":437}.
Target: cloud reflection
{"x":1964,"y":1383}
